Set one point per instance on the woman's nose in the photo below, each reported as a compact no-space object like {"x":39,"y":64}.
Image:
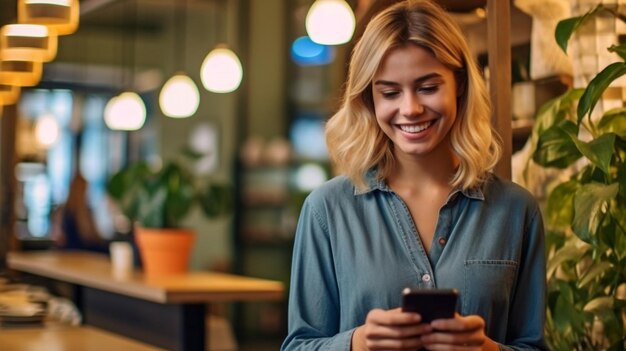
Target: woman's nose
{"x":411,"y":105}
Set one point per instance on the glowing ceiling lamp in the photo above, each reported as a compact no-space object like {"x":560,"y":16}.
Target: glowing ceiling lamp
{"x":20,"y":73}
{"x":330,"y":22}
{"x":9,"y":94}
{"x":126,"y":111}
{"x":27,"y":42}
{"x":221,"y":70}
{"x":60,"y":15}
{"x":179,"y":97}
{"x":47,"y":130}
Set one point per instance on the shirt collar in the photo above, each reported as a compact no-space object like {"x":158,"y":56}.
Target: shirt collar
{"x":373,"y":183}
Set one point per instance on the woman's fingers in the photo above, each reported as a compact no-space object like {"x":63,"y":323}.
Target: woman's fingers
{"x":460,"y":333}
{"x":398,"y":331}
{"x":393,"y":330}
{"x":459,"y":323}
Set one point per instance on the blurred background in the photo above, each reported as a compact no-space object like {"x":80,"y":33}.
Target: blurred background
{"x":263,"y":135}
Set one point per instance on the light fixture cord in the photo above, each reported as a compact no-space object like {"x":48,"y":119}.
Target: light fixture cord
{"x":221,"y":31}
{"x":135,"y":27}
{"x":125,"y":20}
{"x":180,"y":40}
{"x":128,"y":44}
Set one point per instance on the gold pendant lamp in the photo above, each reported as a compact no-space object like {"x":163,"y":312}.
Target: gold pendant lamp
{"x":60,"y":15}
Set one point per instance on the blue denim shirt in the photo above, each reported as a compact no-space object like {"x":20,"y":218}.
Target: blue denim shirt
{"x":355,"y":251}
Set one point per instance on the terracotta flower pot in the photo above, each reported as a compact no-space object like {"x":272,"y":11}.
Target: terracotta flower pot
{"x":164,"y":251}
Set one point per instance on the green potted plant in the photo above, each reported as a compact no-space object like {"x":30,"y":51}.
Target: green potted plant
{"x":586,"y":214}
{"x":157,"y":200}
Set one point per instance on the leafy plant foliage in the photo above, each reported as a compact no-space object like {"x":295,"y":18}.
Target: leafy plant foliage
{"x":585,"y":215}
{"x":162,"y":198}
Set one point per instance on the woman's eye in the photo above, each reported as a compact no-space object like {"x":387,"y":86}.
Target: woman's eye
{"x":429,"y":89}
{"x":389,"y":94}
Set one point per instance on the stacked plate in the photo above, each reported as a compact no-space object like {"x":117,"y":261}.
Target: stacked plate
{"x":21,"y":306}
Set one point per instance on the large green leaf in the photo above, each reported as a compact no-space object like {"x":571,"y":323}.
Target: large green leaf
{"x":560,"y":206}
{"x":614,"y":121}
{"x":566,"y":315}
{"x":589,"y":211}
{"x":159,"y":199}
{"x":599,"y":303}
{"x":597,"y":86}
{"x":599,"y":151}
{"x":565,"y":28}
{"x":568,"y":253}
{"x":619,"y":215}
{"x":593,"y":272}
{"x":216,"y":200}
{"x":126,"y":187}
{"x":180,"y":193}
{"x":556,"y":110}
{"x":152,"y":208}
{"x":619,"y":49}
{"x":555,"y":147}
{"x":550,"y":114}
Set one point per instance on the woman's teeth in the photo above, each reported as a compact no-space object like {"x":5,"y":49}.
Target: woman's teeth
{"x":415,"y":128}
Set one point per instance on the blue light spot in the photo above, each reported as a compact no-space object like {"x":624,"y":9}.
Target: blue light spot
{"x":305,"y":52}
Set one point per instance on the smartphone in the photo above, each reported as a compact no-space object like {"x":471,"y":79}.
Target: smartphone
{"x":431,"y":304}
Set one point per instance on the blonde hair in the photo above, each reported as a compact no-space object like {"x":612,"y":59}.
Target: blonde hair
{"x":355,"y":141}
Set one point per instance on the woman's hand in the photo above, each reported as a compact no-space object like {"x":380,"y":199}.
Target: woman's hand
{"x":462,"y":333}
{"x":390,"y":330}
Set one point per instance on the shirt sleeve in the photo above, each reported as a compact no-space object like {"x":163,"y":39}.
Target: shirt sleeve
{"x":526,"y":328}
{"x":314,"y":297}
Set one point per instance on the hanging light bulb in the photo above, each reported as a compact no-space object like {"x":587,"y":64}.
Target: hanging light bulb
{"x":29,"y":42}
{"x":47,"y":130}
{"x":126,"y":111}
{"x":60,"y":15}
{"x":221,"y":70}
{"x":179,"y":97}
{"x":330,"y":22}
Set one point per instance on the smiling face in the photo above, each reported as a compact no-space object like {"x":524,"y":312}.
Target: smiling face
{"x":415,"y":101}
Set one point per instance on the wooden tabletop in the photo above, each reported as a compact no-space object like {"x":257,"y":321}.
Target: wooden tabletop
{"x":67,"y":338}
{"x":94,"y":270}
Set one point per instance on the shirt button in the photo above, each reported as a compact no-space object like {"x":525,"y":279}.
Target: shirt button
{"x":442,"y":241}
{"x":426,"y":278}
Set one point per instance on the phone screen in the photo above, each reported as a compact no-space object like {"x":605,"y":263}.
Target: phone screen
{"x":431,"y":304}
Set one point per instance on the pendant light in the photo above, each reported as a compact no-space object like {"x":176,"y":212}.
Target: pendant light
{"x":179,"y":97}
{"x":330,"y":22}
{"x":221,"y":70}
{"x":20,"y":73}
{"x":28,"y":42}
{"x":127,"y":110}
{"x":60,"y":15}
{"x":9,"y":94}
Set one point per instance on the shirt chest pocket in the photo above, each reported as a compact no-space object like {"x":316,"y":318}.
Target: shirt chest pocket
{"x":488,"y":288}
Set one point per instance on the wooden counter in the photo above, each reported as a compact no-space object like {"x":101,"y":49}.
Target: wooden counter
{"x":94,"y":270}
{"x":168,"y":312}
{"x":83,"y":338}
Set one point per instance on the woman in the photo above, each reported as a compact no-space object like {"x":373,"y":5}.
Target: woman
{"x":416,"y":205}
{"x":74,"y":227}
